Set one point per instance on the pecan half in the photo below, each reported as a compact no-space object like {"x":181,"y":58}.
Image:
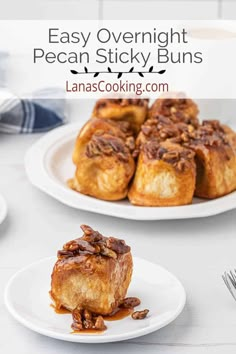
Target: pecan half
{"x":77,"y":316}
{"x":130,"y":302}
{"x":77,"y":326}
{"x":81,"y":245}
{"x":117,"y":245}
{"x":139,"y":315}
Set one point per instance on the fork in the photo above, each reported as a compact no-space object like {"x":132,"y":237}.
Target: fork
{"x":230,"y":281}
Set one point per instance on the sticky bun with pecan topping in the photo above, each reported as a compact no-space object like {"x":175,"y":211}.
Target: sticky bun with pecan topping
{"x":133,"y":111}
{"x":103,"y":159}
{"x":165,"y":175}
{"x":215,"y":159}
{"x":92,"y":273}
{"x":177,"y":109}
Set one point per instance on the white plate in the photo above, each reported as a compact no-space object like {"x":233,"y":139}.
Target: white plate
{"x":3,"y":209}
{"x":27,"y":299}
{"x":48,"y":165}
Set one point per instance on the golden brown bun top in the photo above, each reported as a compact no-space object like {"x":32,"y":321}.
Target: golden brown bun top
{"x":93,"y":243}
{"x":178,"y":109}
{"x":106,"y":144}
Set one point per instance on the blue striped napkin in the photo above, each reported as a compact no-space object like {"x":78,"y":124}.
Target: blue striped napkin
{"x":30,"y":115}
{"x":34,"y":115}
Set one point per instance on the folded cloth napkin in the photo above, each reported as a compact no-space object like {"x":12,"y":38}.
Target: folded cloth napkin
{"x":32,"y":115}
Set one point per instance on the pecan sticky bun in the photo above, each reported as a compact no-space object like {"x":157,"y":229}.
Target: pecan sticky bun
{"x":165,"y":175}
{"x":91,"y":275}
{"x":103,"y":159}
{"x":215,"y":159}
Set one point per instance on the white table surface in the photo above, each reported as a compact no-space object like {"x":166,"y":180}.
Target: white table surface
{"x":197,"y":251}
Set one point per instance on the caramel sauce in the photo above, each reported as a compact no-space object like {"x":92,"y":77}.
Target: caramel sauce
{"x":88,"y":331}
{"x":61,"y":311}
{"x":119,"y":314}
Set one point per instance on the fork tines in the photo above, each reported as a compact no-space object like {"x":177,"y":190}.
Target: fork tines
{"x":230,"y":281}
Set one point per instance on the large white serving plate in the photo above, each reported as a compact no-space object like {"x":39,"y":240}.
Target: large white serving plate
{"x":49,"y":165}
{"x":3,"y":209}
{"x":27,"y":299}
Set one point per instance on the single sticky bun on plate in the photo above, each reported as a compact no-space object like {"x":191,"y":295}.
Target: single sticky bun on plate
{"x":165,"y":175}
{"x":215,"y":159}
{"x":92,"y":274}
{"x":103,"y":159}
{"x":177,"y":109}
{"x":133,"y":111}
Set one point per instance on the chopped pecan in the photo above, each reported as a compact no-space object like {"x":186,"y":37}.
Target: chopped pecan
{"x":64,"y":254}
{"x":139,"y":315}
{"x":77,"y":326}
{"x":170,"y":155}
{"x":99,"y":323}
{"x":77,"y":316}
{"x":130,"y":302}
{"x":92,"y":242}
{"x":168,"y":132}
{"x":119,"y":246}
{"x":82,"y":245}
{"x":90,"y":235}
{"x":146,"y":130}
{"x":88,"y":324}
{"x":105,"y":251}
{"x":83,"y":319}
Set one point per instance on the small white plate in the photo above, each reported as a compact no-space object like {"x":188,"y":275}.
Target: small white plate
{"x":27,"y":299}
{"x":49,"y":165}
{"x":3,"y":209}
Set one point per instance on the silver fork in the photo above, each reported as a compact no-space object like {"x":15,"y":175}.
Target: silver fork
{"x":230,"y":281}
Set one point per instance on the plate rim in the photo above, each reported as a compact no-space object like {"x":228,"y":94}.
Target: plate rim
{"x":95,"y":339}
{"x":4,"y":210}
{"x":41,"y":179}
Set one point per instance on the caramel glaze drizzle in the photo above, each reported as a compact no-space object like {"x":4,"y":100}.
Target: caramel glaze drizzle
{"x":126,"y":309}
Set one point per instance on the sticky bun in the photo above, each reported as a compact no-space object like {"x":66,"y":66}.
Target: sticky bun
{"x":165,"y":175}
{"x":215,"y":159}
{"x":103,"y":159}
{"x":92,"y":273}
